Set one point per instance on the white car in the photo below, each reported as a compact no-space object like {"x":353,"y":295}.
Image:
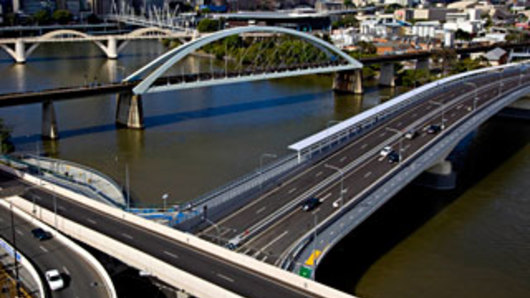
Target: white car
{"x":54,"y":279}
{"x":385,"y":151}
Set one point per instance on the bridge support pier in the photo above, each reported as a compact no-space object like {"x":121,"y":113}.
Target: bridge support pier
{"x":348,"y":81}
{"x":20,"y":51}
{"x":129,"y":112}
{"x":112,"y":48}
{"x":49,"y":121}
{"x":422,"y":64}
{"x":386,"y":78}
{"x":439,"y":176}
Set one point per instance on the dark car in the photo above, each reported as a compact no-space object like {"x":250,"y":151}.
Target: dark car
{"x":394,"y":157}
{"x":41,"y":234}
{"x":411,"y":134}
{"x":434,"y":128}
{"x":310,"y":204}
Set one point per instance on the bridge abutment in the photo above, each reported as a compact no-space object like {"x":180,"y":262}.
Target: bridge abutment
{"x":129,"y":111}
{"x":386,"y":78}
{"x":20,"y":51}
{"x":440,"y":176}
{"x":49,"y":121}
{"x":349,"y":81}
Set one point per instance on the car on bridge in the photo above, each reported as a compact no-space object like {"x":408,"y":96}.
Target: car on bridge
{"x":394,"y":157}
{"x":385,"y":151}
{"x":41,"y":234}
{"x":434,"y":128}
{"x":310,"y":204}
{"x":411,"y":134}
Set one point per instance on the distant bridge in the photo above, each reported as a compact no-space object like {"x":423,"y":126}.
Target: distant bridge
{"x":110,"y":45}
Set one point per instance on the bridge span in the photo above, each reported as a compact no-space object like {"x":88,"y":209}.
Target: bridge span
{"x":342,"y":167}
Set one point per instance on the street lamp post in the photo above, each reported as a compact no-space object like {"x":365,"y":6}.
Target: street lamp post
{"x":217,"y":229}
{"x":14,"y":249}
{"x":475,"y":99}
{"x":341,"y":182}
{"x":164,"y":198}
{"x":441,"y":104}
{"x":263,"y":156}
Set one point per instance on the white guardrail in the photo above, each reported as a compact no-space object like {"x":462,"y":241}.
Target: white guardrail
{"x":109,"y":285}
{"x":160,"y":269}
{"x":24,"y":262}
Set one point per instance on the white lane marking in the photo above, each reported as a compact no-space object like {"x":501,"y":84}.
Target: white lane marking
{"x":91,"y":221}
{"x":364,"y":146}
{"x":225,"y":277}
{"x":66,"y":270}
{"x":61,"y":208}
{"x":174,"y":256}
{"x":19,"y":232}
{"x":367,"y":174}
{"x":428,"y":107}
{"x":275,"y":240}
{"x":399,"y":123}
{"x":342,"y":159}
{"x":415,"y":114}
{"x":325,"y":197}
{"x":264,"y":258}
{"x":405,"y":148}
{"x":246,"y":251}
{"x":127,"y":236}
{"x":224,"y":232}
{"x":318,"y":174}
{"x":381,"y":158}
{"x":292,"y":190}
{"x":261,"y":210}
{"x":345,"y":190}
{"x":382,"y":134}
{"x":43,"y":248}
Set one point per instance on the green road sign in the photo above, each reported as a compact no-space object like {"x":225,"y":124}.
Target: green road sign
{"x":305,"y":272}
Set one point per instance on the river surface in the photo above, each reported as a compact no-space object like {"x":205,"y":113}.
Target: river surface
{"x":469,"y":242}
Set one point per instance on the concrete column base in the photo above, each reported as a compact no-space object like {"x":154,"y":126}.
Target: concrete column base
{"x":386,"y":78}
{"x":440,"y":176}
{"x":129,"y":112}
{"x":49,"y":121}
{"x":112,"y":48}
{"x":349,"y":81}
{"x":20,"y":52}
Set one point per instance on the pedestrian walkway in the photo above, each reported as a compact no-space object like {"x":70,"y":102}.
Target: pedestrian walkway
{"x":28,"y":286}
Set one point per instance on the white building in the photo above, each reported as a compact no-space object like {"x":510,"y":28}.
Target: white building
{"x":427,"y":29}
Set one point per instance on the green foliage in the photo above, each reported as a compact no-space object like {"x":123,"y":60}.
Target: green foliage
{"x":208,"y":25}
{"x":62,"y":16}
{"x":518,"y":37}
{"x":415,"y":77}
{"x":463,"y":35}
{"x":392,"y":7}
{"x":368,"y":72}
{"x":467,"y":64}
{"x":5,"y":139}
{"x":346,"y":21}
{"x":42,"y":17}
{"x":348,"y":3}
{"x":366,"y":47}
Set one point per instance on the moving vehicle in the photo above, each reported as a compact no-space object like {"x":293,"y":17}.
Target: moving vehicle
{"x":434,"y":128}
{"x":54,"y":279}
{"x":310,"y":204}
{"x":385,"y":151}
{"x":394,"y":157}
{"x":411,"y":134}
{"x":41,"y":234}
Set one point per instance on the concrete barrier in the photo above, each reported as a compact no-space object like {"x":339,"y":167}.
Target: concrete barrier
{"x":241,"y":260}
{"x":109,"y":285}
{"x":127,"y":254}
{"x":24,"y":262}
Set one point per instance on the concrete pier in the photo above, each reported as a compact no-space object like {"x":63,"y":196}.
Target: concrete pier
{"x":112,"y":48}
{"x":440,"y":176}
{"x":20,"y":52}
{"x":49,"y":121}
{"x":349,"y":81}
{"x":387,"y":78}
{"x":129,"y":111}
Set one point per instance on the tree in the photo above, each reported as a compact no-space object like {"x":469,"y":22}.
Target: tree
{"x":366,"y":47}
{"x":347,"y":21}
{"x":447,"y":56}
{"x":464,"y":65}
{"x":208,"y":25}
{"x":62,"y":16}
{"x":463,"y":35}
{"x":415,"y":77}
{"x":348,"y":3}
{"x":42,"y":17}
{"x":5,"y":139}
{"x":392,"y":7}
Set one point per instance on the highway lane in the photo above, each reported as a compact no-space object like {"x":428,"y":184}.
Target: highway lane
{"x":296,"y":187}
{"x":53,"y":254}
{"x":273,"y":242}
{"x":199,"y":263}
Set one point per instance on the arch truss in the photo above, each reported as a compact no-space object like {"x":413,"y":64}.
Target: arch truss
{"x":242,"y":54}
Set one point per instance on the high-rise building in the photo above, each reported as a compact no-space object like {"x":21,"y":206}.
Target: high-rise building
{"x":100,"y":7}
